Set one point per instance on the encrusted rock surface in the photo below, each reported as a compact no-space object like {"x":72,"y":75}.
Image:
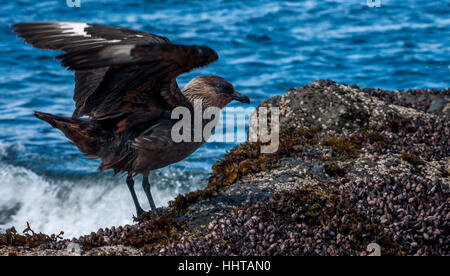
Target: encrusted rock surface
{"x":354,"y":167}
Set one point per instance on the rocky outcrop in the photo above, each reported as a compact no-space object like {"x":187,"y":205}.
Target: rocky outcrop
{"x":354,"y":167}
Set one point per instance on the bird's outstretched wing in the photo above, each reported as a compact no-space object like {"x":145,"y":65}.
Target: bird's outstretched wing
{"x":77,"y":36}
{"x":120,"y":73}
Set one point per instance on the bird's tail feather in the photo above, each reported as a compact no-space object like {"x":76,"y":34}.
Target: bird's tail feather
{"x":84,"y":133}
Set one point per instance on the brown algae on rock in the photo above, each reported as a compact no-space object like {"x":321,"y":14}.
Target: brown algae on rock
{"x":29,"y":238}
{"x":245,"y":159}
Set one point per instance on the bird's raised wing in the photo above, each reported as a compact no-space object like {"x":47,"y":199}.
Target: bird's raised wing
{"x":118,"y":71}
{"x":76,"y":36}
{"x":141,"y":77}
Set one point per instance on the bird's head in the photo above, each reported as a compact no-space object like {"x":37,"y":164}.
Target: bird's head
{"x":213,"y":91}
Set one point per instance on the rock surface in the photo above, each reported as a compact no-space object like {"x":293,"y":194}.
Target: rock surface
{"x":354,"y":167}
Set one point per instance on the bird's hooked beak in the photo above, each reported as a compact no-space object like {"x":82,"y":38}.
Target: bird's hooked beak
{"x":239,"y":97}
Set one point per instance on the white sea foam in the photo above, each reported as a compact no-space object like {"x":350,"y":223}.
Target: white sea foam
{"x":51,"y":206}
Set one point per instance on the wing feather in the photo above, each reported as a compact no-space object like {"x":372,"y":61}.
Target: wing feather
{"x":186,"y":57}
{"x":77,"y":36}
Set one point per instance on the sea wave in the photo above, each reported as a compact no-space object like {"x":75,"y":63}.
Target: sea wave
{"x":79,"y":204}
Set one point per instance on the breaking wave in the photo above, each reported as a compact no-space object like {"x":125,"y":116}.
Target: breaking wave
{"x":80,"y":204}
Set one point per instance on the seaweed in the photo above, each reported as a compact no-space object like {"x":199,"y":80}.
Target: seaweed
{"x":30,"y":238}
{"x":333,"y":169}
{"x":374,"y":137}
{"x":444,"y":172}
{"x":344,"y":147}
{"x":155,"y":232}
{"x":414,"y":160}
{"x":92,"y":240}
{"x":396,"y":123}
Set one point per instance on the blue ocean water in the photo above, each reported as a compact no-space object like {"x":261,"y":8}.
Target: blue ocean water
{"x":265,"y":48}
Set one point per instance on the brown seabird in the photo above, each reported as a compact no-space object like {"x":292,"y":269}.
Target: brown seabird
{"x":125,"y":91}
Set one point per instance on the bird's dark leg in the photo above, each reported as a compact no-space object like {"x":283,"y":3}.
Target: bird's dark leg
{"x":146,"y":186}
{"x":130,"y":183}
